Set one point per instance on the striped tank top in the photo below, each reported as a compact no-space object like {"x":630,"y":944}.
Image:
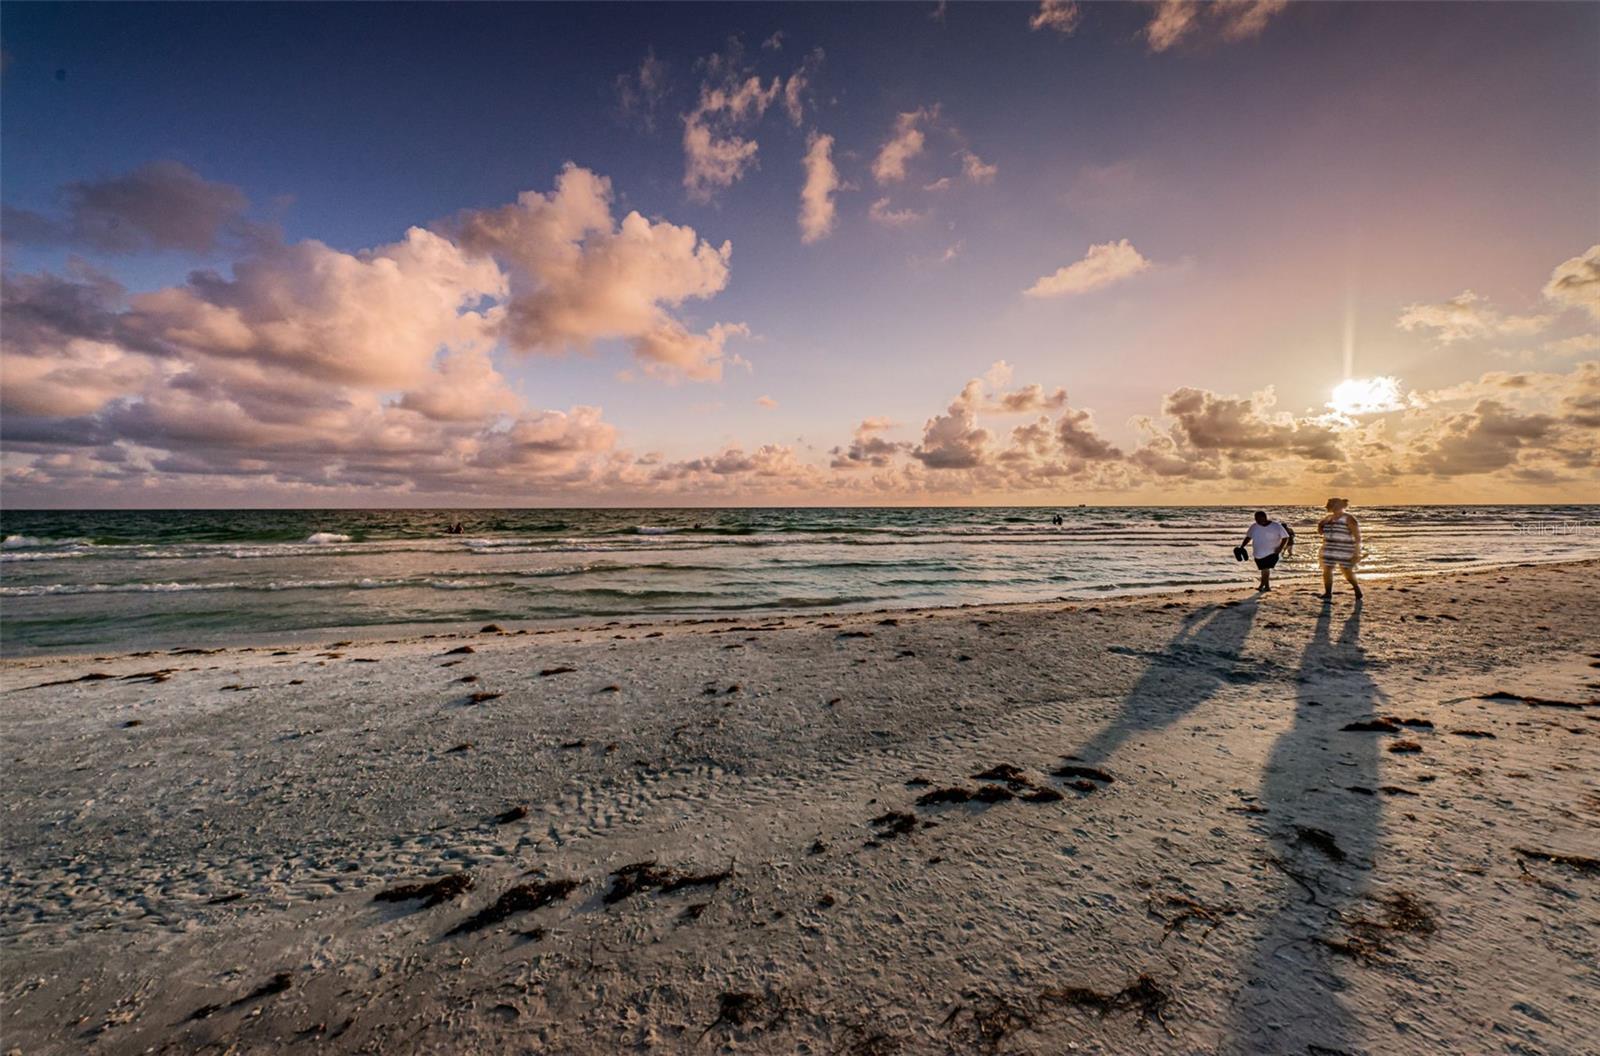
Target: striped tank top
{"x":1338,"y":544}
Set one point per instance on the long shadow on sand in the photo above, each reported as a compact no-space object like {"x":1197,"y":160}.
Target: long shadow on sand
{"x":1289,"y":995}
{"x":1201,"y":659}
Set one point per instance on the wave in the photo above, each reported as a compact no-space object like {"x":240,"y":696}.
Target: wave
{"x":323,"y":538}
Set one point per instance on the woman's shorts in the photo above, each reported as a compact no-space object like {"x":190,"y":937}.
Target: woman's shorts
{"x":1267,"y":562}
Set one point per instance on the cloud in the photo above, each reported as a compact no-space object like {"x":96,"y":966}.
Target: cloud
{"x":1575,"y":283}
{"x":309,"y":370}
{"x":867,"y":448}
{"x":1577,"y":345}
{"x":976,"y":170}
{"x":1210,"y":436}
{"x":1104,"y":264}
{"x":1232,"y":20}
{"x":671,"y":351}
{"x":1489,"y":437}
{"x":795,"y":88}
{"x":164,"y":205}
{"x":373,"y":318}
{"x":1059,"y":15}
{"x":640,"y":94}
{"x":817,"y":209}
{"x":1041,"y":451}
{"x":716,"y":151}
{"x":577,"y":276}
{"x":903,"y":144}
{"x":880,"y":212}
{"x":714,"y":155}
{"x":1468,"y":317}
{"x":766,"y":401}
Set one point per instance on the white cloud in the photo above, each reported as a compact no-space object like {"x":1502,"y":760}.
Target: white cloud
{"x":903,"y":144}
{"x":880,"y":212}
{"x":1468,"y":317}
{"x":817,"y":208}
{"x":1104,"y":264}
{"x":577,"y":276}
{"x":1233,"y":20}
{"x":641,"y":93}
{"x":1575,"y":283}
{"x":1059,"y":15}
{"x":976,"y":170}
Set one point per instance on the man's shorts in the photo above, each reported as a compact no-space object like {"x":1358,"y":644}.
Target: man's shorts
{"x":1264,"y":563}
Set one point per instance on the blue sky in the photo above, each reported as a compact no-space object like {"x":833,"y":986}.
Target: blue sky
{"x":1340,"y":158}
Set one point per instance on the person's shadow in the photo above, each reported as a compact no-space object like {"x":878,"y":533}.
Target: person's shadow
{"x":1200,"y":659}
{"x":1288,"y":998}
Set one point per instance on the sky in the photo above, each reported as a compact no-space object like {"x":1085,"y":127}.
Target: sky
{"x":912,"y":253}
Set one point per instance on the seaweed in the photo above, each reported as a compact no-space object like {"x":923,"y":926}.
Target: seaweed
{"x":1371,"y":726}
{"x":92,"y":676}
{"x":1367,"y":940}
{"x":1075,"y":770}
{"x":1537,"y":702}
{"x":523,"y":898}
{"x":1572,"y":861}
{"x":431,"y":892}
{"x":516,"y":813}
{"x":547,"y":672}
{"x":894,"y":823}
{"x":736,"y":1008}
{"x":646,"y":876}
{"x":1143,"y":995}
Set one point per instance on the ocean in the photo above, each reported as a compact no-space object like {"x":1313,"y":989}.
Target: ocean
{"x":123,"y":580}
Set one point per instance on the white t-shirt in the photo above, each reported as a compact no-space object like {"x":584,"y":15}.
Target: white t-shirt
{"x":1264,"y":538}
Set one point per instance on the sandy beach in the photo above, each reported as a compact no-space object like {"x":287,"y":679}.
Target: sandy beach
{"x":1194,"y":823}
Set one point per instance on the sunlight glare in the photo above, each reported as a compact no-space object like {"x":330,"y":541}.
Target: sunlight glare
{"x":1367,"y":396}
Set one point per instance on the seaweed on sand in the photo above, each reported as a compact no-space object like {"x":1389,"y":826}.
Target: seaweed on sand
{"x":1187,"y":909}
{"x":647,"y":876}
{"x":894,"y":823}
{"x":523,"y":898}
{"x":1093,"y":773}
{"x":1143,"y":995}
{"x":1367,"y":940}
{"x":431,"y":892}
{"x":1573,"y":861}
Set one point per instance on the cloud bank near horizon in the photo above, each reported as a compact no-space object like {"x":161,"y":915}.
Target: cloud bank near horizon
{"x":310,"y":371}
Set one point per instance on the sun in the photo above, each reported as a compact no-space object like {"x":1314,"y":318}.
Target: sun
{"x":1355,"y":396}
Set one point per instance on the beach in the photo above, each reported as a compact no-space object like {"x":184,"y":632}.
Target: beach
{"x":1202,"y":821}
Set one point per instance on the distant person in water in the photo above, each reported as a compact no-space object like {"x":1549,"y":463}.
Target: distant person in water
{"x":1341,"y":546}
{"x":1267,"y":539}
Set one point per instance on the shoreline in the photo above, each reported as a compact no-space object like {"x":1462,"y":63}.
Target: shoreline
{"x":1118,"y":824}
{"x":394,"y":633}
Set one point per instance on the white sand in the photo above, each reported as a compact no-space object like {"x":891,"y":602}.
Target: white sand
{"x":241,"y":829}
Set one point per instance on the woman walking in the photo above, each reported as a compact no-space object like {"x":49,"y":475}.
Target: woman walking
{"x":1341,"y":546}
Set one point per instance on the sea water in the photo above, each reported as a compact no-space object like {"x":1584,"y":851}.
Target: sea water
{"x":115,"y":580}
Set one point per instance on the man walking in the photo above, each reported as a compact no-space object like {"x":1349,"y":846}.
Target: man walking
{"x":1267,"y":539}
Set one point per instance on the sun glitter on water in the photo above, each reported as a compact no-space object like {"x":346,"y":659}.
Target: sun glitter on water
{"x":1355,"y":396}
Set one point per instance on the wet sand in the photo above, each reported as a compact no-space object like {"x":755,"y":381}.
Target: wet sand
{"x":1196,"y":823}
